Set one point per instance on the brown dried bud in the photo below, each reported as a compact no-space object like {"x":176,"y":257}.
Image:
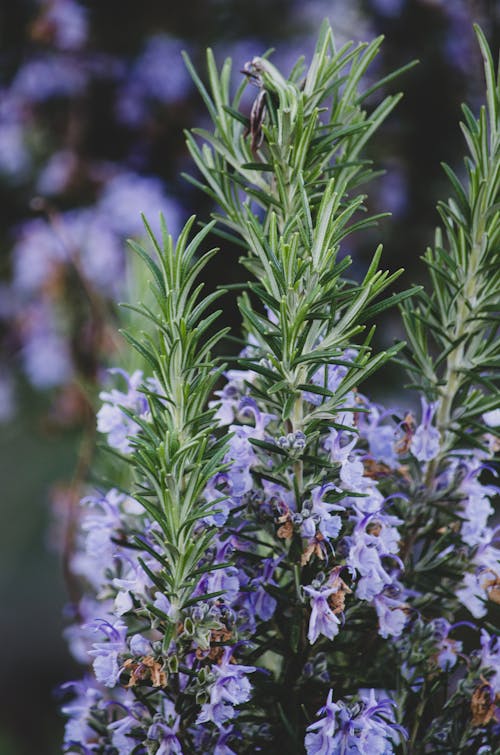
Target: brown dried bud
{"x":482,"y":705}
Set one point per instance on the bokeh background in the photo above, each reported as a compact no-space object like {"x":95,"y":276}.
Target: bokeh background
{"x":94,"y":98}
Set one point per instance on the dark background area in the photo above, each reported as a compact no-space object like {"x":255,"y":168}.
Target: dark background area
{"x":37,"y":453}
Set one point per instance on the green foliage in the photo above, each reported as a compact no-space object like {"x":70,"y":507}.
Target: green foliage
{"x":287,"y":179}
{"x":453,"y":333}
{"x":178,"y":450}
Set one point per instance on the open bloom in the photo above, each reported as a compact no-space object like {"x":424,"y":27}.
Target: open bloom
{"x":367,"y":728}
{"x":323,"y":620}
{"x":425,"y":442}
{"x":231,"y":687}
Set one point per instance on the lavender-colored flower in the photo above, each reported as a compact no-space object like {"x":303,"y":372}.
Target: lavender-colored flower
{"x":263,"y":604}
{"x":328,"y":376}
{"x":231,"y":687}
{"x":241,"y":453}
{"x":77,"y":730}
{"x":165,"y":729}
{"x":447,"y":649}
{"x":426,"y":440}
{"x":391,"y":8}
{"x":230,"y":396}
{"x":132,"y":583}
{"x":492,"y":418}
{"x":106,"y":666}
{"x":100,"y":523}
{"x":319,"y":514}
{"x":474,"y":591}
{"x":127,"y":195}
{"x":45,"y":354}
{"x":391,"y":614}
{"x":221,"y":502}
{"x":369,"y":543}
{"x":158,"y":75}
{"x":124,"y":733}
{"x":490,"y":659}
{"x":225,"y":580}
{"x":112,"y":421}
{"x":221,"y":747}
{"x":366,"y":729}
{"x":381,"y":438}
{"x":320,"y":735}
{"x":50,"y":76}
{"x":476,"y":505}
{"x":68,"y":23}
{"x":322,"y":620}
{"x":56,"y":173}
{"x":15,"y":159}
{"x":37,"y":254}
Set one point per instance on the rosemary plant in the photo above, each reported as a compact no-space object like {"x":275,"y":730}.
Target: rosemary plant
{"x":290,"y":560}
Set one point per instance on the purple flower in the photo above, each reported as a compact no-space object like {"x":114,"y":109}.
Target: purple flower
{"x":241,"y":454}
{"x":68,"y":23}
{"x":263,"y":604}
{"x":106,"y":654}
{"x":366,"y":729}
{"x":490,"y":658}
{"x":328,"y":376}
{"x":230,"y":396}
{"x":124,"y":734}
{"x":221,"y":503}
{"x":426,"y":440}
{"x":224,"y":580}
{"x":57,"y":172}
{"x":231,"y":687}
{"x":50,"y":76}
{"x":365,"y":554}
{"x":320,"y":735}
{"x":165,"y":730}
{"x":381,"y":438}
{"x":391,"y":615}
{"x":112,"y":421}
{"x":77,"y":730}
{"x":492,"y":418}
{"x":322,"y":620}
{"x":127,"y":195}
{"x":447,"y":649}
{"x":316,"y":514}
{"x":148,"y":80}
{"x":46,"y":354}
{"x":15,"y":159}
{"x":474,"y":590}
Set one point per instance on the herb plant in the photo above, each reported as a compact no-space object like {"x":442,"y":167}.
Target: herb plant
{"x":283,"y":563}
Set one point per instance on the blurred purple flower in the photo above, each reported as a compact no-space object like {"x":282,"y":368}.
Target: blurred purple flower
{"x":50,"y":76}
{"x":45,"y":354}
{"x":77,"y":730}
{"x":127,"y":195}
{"x":55,"y":175}
{"x":68,"y":23}
{"x":158,"y":74}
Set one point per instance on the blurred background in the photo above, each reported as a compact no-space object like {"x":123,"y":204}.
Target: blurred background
{"x":94,"y":98}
